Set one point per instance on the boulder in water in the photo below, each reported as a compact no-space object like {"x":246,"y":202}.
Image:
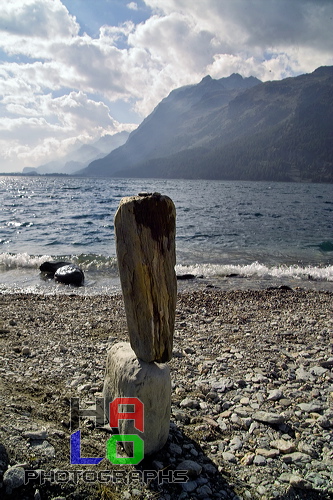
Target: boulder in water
{"x":51,"y":267}
{"x":63,"y":272}
{"x":69,"y":275}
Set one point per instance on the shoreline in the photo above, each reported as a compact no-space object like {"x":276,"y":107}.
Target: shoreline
{"x":233,"y":352}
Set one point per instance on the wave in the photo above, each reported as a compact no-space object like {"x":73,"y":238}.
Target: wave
{"x":257,"y":270}
{"x":101,"y":266}
{"x":85,"y":261}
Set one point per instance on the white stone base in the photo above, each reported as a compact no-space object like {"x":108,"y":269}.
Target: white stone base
{"x":128,"y":376}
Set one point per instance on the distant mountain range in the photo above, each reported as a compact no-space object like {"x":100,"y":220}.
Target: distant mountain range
{"x":233,"y":128}
{"x":81,"y":156}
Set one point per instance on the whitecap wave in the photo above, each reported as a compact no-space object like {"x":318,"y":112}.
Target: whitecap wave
{"x":85,"y":261}
{"x":257,"y":270}
{"x":22,"y":260}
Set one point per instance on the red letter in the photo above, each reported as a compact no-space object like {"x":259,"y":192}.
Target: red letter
{"x":137,"y":415}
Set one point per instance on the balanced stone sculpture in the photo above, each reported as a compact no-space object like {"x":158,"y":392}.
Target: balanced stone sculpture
{"x":145,"y":229}
{"x":145,"y":239}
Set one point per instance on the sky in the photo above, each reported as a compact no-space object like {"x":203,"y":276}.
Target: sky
{"x":72,"y":71}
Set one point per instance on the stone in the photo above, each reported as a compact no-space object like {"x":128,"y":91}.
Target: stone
{"x":296,"y":458}
{"x":235,"y":444}
{"x":268,"y":418}
{"x":189,"y":403}
{"x":318,"y":371}
{"x":267,"y":453}
{"x":325,"y":421}
{"x":248,"y":458}
{"x":4,"y":459}
{"x":311,"y":407}
{"x":299,"y":482}
{"x":204,"y":492}
{"x":145,"y":239}
{"x":38,"y":435}
{"x":283,"y":445}
{"x":190,"y":486}
{"x":69,"y":275}
{"x":302,"y":374}
{"x":259,"y":460}
{"x":127,"y":376}
{"x":50,"y":268}
{"x":275,"y":395}
{"x":193,"y":469}
{"x":175,"y":449}
{"x":229,"y":457}
{"x":13,"y":478}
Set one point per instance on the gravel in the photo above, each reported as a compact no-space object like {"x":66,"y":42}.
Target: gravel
{"x":252,"y":397}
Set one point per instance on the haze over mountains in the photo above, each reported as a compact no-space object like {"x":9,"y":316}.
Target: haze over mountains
{"x":81,"y":156}
{"x":233,"y":128}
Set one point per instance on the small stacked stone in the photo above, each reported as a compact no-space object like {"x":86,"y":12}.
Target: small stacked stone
{"x":145,"y":227}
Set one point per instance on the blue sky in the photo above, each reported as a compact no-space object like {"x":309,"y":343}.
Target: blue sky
{"x":74,"y":70}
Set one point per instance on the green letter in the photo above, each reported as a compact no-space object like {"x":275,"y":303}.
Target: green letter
{"x":138,"y":449}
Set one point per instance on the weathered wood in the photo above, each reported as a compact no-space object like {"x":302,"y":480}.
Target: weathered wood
{"x":145,"y":227}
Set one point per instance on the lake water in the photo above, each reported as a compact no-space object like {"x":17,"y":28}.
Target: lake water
{"x":263,"y":234}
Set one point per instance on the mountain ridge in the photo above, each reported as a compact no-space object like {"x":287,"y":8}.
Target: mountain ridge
{"x":234,"y":128}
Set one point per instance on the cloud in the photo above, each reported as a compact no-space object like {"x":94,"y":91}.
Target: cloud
{"x":58,"y":84}
{"x":262,"y":30}
{"x":132,"y":6}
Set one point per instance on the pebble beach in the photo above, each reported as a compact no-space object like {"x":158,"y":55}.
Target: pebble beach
{"x":252,"y":395}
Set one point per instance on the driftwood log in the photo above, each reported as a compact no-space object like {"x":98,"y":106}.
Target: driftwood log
{"x":145,"y":227}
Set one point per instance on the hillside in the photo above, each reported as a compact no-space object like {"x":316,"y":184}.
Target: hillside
{"x":234,"y":128}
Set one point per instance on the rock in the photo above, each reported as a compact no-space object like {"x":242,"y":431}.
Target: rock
{"x":248,"y":458}
{"x":283,"y":445}
{"x":4,"y":460}
{"x":299,"y":482}
{"x":189,"y":403}
{"x":127,"y":376}
{"x":13,"y":478}
{"x":268,"y":418}
{"x":306,"y":448}
{"x":235,"y":444}
{"x":311,"y":407}
{"x":38,"y":435}
{"x":229,"y":457}
{"x":267,"y":453}
{"x":204,"y":492}
{"x":69,"y":275}
{"x":259,"y":460}
{"x":185,"y":276}
{"x":302,"y":374}
{"x":318,"y":371}
{"x":175,"y":449}
{"x":190,"y":486}
{"x":275,"y":395}
{"x":325,"y":421}
{"x":51,"y":267}
{"x":296,"y":458}
{"x":43,"y":448}
{"x":145,"y":238}
{"x":192,"y":468}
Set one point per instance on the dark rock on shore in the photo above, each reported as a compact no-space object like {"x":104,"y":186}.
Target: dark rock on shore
{"x":69,"y":275}
{"x":185,"y":276}
{"x":51,"y":267}
{"x":63,"y":272}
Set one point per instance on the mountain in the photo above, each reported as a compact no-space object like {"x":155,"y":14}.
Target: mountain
{"x":234,"y":128}
{"x":81,"y":156}
{"x":174,"y":125}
